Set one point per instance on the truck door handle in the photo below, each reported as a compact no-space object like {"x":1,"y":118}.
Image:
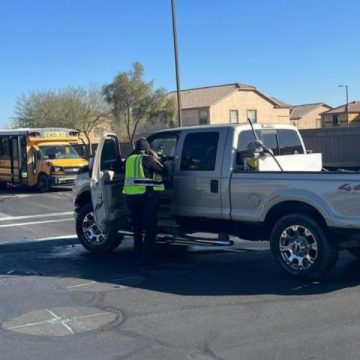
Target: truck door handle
{"x":214,"y":186}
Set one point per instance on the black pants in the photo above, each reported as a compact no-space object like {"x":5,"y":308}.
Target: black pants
{"x":143,"y":213}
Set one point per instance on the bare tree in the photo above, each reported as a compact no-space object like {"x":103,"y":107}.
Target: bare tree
{"x":72,"y":107}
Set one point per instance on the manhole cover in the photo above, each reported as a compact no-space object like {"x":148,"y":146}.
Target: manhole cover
{"x":118,"y":283}
{"x":60,"y":321}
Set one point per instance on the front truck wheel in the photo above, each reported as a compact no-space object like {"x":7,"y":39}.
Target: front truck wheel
{"x":301,"y":247}
{"x":90,"y":235}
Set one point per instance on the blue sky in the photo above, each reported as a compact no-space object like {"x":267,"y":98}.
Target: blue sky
{"x":295,"y":50}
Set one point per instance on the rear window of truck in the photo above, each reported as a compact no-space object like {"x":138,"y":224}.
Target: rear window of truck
{"x":280,"y":141}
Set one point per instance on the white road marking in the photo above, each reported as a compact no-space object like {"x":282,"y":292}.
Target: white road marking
{"x":37,"y":222}
{"x":83,"y":284}
{"x":20,"y":196}
{"x":57,"y":237}
{"x":60,"y":320}
{"x":10,"y":218}
{"x":56,"y":318}
{"x":26,"y":325}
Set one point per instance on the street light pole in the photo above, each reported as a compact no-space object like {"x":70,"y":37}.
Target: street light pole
{"x":347,"y":103}
{"x":173,"y":5}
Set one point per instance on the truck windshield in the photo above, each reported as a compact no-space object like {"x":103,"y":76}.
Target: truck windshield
{"x":49,"y":152}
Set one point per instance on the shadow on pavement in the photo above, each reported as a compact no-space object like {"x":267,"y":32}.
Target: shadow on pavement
{"x":182,"y":271}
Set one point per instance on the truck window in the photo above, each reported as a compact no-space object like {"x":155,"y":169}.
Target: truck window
{"x":199,"y":152}
{"x":289,"y":142}
{"x":280,"y":141}
{"x":110,"y":156}
{"x":164,"y":144}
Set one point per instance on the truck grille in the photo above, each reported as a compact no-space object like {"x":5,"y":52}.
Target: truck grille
{"x":71,"y":170}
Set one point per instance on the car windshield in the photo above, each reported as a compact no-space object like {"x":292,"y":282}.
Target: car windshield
{"x":58,"y":152}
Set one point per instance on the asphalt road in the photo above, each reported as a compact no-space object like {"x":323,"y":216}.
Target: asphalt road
{"x":199,"y":303}
{"x":29,"y":215}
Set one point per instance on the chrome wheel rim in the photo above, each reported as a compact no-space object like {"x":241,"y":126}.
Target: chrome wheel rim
{"x":91,"y":232}
{"x":298,"y":247}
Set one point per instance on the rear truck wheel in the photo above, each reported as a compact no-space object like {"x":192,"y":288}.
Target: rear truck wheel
{"x":43,"y":183}
{"x":354,"y":251}
{"x":301,"y":248}
{"x":90,"y":235}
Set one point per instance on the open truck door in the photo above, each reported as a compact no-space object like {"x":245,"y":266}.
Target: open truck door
{"x":107,"y":180}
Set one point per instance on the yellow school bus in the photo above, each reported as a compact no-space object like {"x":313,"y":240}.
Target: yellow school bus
{"x":39,"y":157}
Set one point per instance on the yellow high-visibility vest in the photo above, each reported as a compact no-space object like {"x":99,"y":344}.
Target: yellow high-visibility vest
{"x":135,"y":182}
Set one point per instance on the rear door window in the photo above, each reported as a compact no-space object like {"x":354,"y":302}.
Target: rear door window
{"x":199,"y":152}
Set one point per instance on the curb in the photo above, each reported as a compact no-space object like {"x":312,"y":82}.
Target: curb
{"x":31,"y":245}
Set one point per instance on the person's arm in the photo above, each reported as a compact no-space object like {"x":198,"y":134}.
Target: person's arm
{"x":155,"y":165}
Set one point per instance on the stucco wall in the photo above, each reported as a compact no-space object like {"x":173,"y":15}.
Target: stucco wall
{"x":354,"y":120}
{"x":191,"y":117}
{"x":311,"y":120}
{"x":242,"y":101}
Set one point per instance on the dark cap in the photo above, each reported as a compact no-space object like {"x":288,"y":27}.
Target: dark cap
{"x":142,"y":144}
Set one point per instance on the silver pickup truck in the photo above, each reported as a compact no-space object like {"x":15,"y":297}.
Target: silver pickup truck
{"x":214,"y":187}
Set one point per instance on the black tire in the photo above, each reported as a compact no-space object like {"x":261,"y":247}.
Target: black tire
{"x":355,"y":252}
{"x":301,"y":247}
{"x":92,"y":239}
{"x":43,"y":183}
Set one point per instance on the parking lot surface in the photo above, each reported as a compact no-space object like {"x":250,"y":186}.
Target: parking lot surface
{"x":197,"y":302}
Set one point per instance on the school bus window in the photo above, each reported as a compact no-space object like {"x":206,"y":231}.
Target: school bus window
{"x":4,"y":148}
{"x":48,"y":152}
{"x":15,"y":150}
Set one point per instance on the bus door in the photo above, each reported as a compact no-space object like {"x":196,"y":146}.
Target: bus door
{"x":14,"y":160}
{"x":18,"y":166}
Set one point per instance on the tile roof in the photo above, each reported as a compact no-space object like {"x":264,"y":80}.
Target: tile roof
{"x":298,"y":111}
{"x":206,"y":96}
{"x":354,"y":107}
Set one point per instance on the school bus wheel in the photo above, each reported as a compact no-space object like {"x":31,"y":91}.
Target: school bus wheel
{"x":43,"y":183}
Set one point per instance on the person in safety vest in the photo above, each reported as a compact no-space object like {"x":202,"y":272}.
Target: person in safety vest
{"x":142,"y":184}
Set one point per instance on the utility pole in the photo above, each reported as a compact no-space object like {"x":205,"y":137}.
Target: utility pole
{"x":178,"y":92}
{"x":347,"y":104}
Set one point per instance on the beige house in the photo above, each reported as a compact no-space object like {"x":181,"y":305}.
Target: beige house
{"x":338,"y":116}
{"x":231,"y":103}
{"x":308,"y":116}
